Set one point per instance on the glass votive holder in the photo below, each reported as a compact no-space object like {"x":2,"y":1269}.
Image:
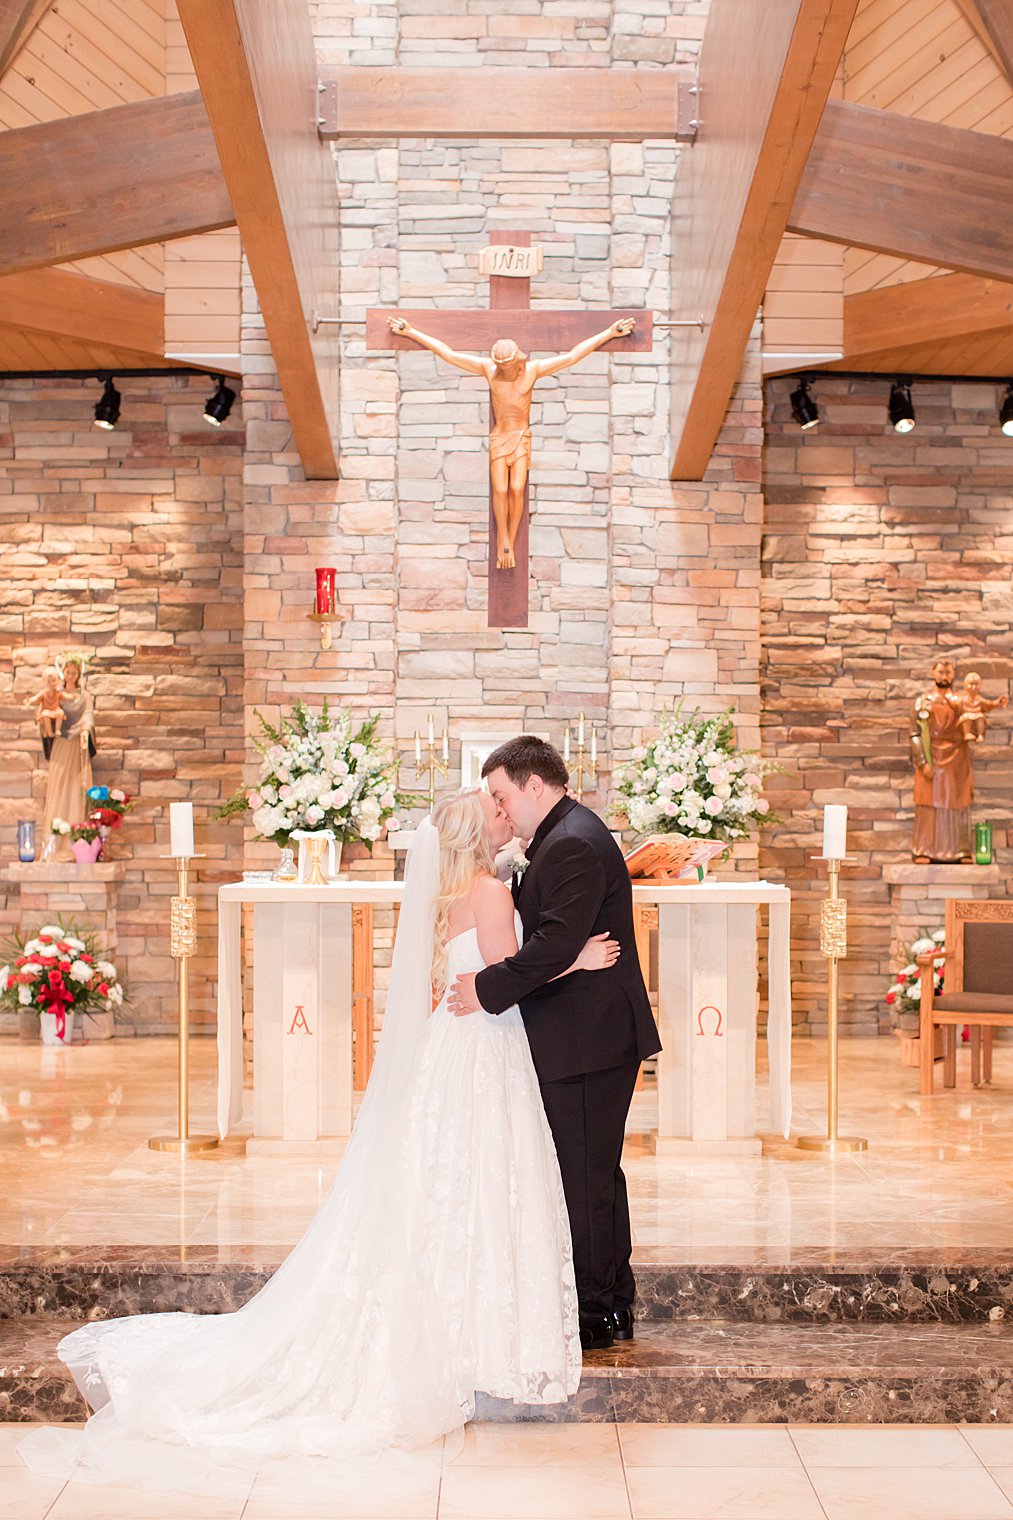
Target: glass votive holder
{"x":26,"y":839}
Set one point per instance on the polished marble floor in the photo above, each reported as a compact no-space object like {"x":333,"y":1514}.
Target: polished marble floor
{"x":938,"y":1174}
{"x":607,"y":1472}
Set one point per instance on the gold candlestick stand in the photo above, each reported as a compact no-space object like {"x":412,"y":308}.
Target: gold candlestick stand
{"x":587,"y":770}
{"x":431,"y":764}
{"x":182,"y":944}
{"x":834,"y":946}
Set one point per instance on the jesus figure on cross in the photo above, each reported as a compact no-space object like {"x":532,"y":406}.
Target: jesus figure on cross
{"x":511,"y":377}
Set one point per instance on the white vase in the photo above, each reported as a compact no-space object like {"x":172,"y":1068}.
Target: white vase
{"x":47,"y":1028}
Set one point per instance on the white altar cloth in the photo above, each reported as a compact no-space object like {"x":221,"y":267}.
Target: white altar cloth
{"x":303,"y":1011}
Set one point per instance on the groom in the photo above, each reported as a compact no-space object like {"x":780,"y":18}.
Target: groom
{"x":589,"y":1031}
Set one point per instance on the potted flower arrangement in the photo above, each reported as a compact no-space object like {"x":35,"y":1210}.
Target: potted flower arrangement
{"x":59,"y":973}
{"x":85,"y":839}
{"x":693,"y":781}
{"x":321,"y":771}
{"x":903,"y":997}
{"x":109,"y":804}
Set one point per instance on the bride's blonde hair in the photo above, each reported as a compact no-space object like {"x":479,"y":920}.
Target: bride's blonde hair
{"x":465,"y":853}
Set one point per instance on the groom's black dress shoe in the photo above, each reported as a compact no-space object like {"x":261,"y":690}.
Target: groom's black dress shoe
{"x":622,"y":1320}
{"x":598,"y":1335}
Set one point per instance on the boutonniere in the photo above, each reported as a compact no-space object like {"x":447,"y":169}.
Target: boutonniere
{"x":519,"y":865}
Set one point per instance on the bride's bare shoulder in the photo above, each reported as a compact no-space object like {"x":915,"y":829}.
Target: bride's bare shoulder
{"x":489,"y":889}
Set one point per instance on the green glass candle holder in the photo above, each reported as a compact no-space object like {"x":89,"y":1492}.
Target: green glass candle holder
{"x":983,"y":844}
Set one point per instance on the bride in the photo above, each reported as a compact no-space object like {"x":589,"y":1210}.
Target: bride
{"x":439,"y":1265}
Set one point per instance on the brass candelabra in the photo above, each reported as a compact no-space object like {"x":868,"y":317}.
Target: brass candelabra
{"x":436,"y":761}
{"x":834,"y":948}
{"x":183,"y":944}
{"x":586,"y":768}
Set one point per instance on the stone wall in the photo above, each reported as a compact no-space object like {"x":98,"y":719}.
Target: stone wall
{"x":881,"y":552}
{"x":128,"y":544}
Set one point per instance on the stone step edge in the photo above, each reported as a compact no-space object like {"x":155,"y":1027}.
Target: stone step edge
{"x":913,"y":1388}
{"x":897,"y":1293}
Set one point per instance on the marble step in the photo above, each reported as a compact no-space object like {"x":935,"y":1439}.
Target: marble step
{"x":685,"y":1373}
{"x":913,"y":1288}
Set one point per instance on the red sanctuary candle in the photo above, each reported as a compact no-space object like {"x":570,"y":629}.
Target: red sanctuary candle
{"x":326,"y":597}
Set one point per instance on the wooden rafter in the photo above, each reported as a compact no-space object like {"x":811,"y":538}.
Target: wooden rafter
{"x":993,"y":21}
{"x":141,"y":173}
{"x":94,"y":311}
{"x":765,"y":73}
{"x":924,"y":311}
{"x":256,"y":67}
{"x":18,"y":19}
{"x":612,"y":104}
{"x":914,"y":189}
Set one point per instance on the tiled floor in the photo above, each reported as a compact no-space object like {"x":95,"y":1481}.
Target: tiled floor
{"x":608,"y":1472}
{"x":938,"y":1174}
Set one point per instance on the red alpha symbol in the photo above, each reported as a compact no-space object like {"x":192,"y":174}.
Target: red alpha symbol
{"x":709,"y":1008}
{"x":299,"y":1021}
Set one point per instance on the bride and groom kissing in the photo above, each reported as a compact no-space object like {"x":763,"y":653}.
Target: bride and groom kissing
{"x":476,"y":1238}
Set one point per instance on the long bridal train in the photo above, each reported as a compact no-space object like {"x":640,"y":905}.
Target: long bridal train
{"x":439,"y":1265}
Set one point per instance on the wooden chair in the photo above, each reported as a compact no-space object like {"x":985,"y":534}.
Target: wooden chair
{"x":978,"y":990}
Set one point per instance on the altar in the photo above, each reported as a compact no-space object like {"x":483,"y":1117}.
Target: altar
{"x":303,"y":1026}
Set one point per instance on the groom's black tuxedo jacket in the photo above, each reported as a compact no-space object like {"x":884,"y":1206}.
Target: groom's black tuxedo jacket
{"x":575,"y":885}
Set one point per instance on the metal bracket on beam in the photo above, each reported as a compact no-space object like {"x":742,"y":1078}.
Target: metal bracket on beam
{"x":688,"y":118}
{"x":699,"y":322}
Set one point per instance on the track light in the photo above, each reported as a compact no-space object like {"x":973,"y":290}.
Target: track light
{"x":1006,"y":412}
{"x":218,"y":406}
{"x":803,"y":408}
{"x":107,"y":411}
{"x":902,"y":413}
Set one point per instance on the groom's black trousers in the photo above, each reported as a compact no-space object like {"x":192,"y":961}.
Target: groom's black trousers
{"x":587,"y":1117}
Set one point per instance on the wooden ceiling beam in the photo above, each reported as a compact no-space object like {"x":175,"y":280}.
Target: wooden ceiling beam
{"x":69,"y":305}
{"x":18,"y":20}
{"x":923,"y":311}
{"x":611,"y":104}
{"x":766,"y":70}
{"x":256,"y":66}
{"x":141,"y":173}
{"x":913,"y":189}
{"x":993,"y":21}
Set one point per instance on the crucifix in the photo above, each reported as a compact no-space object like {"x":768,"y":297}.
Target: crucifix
{"x":501,"y":339}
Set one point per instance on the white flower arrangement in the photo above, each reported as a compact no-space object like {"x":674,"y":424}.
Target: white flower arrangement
{"x":692,"y":780}
{"x":318,"y":772}
{"x":58,"y":971}
{"x":904,"y":995}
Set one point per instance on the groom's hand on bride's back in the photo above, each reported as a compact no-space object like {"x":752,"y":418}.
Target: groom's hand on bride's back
{"x":463,"y":999}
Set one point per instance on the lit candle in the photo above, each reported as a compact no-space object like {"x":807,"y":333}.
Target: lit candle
{"x":326,"y":598}
{"x":580,"y":732}
{"x":446,"y":747}
{"x":594,"y":747}
{"x":181,"y":829}
{"x":835,"y":830}
{"x":418,"y":748}
{"x":431,"y":731}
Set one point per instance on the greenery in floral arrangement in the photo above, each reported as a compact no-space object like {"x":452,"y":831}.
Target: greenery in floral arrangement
{"x":904,"y":995}
{"x":692,"y":780}
{"x":88,"y":831}
{"x":59,"y":970}
{"x":321,"y":771}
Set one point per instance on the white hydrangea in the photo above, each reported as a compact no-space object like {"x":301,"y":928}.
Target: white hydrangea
{"x":922,"y":947}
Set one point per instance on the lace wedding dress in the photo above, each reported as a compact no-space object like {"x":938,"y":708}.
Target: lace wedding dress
{"x":438,"y":1266}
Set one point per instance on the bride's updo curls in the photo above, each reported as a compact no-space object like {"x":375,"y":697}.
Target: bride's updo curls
{"x":464,"y":854}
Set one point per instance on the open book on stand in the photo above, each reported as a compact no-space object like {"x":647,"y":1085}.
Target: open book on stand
{"x":670,"y":857}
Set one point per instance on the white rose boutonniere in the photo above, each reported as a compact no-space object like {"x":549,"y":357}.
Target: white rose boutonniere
{"x":518,"y":865}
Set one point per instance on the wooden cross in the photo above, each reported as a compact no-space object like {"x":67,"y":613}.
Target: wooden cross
{"x":475,"y":331}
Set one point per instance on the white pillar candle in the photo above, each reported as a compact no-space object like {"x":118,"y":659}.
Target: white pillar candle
{"x":181,"y":829}
{"x":418,"y":748}
{"x":580,"y":732}
{"x":430,"y":734}
{"x":835,"y":831}
{"x":446,"y":747}
{"x":566,"y":746}
{"x":594,"y":747}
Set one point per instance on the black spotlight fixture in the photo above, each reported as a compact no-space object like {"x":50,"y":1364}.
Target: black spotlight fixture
{"x":107,"y":411}
{"x":803,"y":408}
{"x":1006,"y":412}
{"x":902,"y":413}
{"x":218,"y":406}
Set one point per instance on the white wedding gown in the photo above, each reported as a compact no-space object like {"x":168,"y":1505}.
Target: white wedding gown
{"x":439,"y":1266}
